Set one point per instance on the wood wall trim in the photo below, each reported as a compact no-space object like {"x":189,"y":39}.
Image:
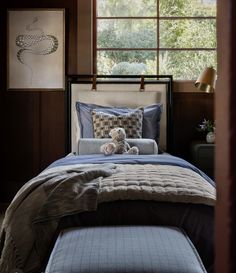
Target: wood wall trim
{"x":185,"y":86}
{"x":232,"y":126}
{"x":84,"y":37}
{"x":224,"y":89}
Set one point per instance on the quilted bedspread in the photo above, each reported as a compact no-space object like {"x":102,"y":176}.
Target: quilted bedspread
{"x":158,"y":183}
{"x":66,"y":189}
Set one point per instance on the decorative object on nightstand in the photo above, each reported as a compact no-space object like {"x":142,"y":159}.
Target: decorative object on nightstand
{"x":210,"y":137}
{"x":202,"y":156}
{"x":209,"y":127}
{"x":207,"y":80}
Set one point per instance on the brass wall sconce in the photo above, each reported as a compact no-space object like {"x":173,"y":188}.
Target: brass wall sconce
{"x":207,"y":80}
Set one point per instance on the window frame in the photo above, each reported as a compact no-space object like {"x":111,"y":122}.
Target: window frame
{"x":157,"y":48}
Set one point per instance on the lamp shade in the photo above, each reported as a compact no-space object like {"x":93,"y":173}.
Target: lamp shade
{"x":207,"y":80}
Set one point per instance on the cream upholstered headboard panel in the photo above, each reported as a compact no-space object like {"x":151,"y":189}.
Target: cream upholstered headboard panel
{"x":117,"y":94}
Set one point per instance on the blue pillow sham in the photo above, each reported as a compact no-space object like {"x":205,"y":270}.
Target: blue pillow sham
{"x":151,"y":118}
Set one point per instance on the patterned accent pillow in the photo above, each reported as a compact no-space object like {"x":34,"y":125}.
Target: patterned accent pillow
{"x":131,"y":122}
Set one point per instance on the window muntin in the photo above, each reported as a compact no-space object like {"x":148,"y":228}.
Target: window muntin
{"x":155,"y":37}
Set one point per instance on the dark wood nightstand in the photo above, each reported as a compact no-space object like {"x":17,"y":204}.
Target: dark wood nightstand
{"x":202,"y":156}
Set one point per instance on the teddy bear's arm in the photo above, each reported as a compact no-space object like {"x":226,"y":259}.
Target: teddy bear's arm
{"x":108,"y":148}
{"x":127,"y":145}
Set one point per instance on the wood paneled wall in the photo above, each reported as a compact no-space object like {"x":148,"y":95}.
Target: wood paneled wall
{"x":189,"y":110}
{"x":33,"y":123}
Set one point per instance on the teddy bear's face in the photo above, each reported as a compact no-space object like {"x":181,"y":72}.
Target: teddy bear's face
{"x":118,"y":134}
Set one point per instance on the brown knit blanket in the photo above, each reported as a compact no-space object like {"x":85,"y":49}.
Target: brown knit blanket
{"x":32,"y":218}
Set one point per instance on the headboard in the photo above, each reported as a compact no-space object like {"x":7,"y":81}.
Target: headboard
{"x":127,"y":90}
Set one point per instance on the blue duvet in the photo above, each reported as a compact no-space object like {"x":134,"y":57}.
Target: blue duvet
{"x":130,"y":159}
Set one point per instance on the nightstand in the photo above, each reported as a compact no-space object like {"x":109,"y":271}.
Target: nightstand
{"x":202,"y":156}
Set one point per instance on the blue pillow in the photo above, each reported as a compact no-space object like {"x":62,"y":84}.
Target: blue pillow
{"x":151,"y":118}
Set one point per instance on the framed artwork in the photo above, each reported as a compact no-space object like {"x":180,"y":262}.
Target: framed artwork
{"x":36,"y":49}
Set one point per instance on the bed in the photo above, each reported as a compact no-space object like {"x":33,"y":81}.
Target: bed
{"x":93,"y":190}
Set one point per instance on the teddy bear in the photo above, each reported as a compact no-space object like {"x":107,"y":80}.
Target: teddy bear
{"x":118,"y":145}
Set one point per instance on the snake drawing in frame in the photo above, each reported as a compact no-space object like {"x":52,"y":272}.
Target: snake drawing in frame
{"x":37,"y":43}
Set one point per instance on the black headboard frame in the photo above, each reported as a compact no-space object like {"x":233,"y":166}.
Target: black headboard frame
{"x":95,"y":80}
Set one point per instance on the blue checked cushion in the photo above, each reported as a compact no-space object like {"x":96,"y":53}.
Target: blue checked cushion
{"x":130,"y":249}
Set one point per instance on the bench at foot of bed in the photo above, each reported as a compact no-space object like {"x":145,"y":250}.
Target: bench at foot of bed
{"x":130,"y":249}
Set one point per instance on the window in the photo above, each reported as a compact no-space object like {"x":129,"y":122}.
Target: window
{"x":176,"y":37}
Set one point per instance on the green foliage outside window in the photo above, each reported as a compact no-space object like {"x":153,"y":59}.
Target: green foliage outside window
{"x":150,"y":52}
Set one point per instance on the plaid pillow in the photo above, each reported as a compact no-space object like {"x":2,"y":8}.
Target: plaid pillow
{"x":131,"y":122}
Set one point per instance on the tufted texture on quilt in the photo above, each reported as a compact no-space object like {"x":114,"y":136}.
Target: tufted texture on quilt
{"x":156,"y":182}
